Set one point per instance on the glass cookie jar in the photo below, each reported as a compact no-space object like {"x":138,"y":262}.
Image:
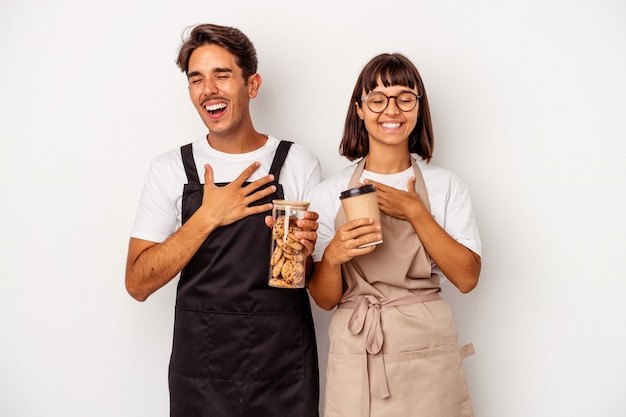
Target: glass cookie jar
{"x":287,"y":258}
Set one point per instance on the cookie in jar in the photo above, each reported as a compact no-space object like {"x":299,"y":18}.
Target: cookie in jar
{"x":287,"y":257}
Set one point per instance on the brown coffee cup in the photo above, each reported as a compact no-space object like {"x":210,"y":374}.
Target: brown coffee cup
{"x":362,"y":202}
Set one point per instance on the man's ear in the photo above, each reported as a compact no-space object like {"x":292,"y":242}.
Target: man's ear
{"x":254,"y":83}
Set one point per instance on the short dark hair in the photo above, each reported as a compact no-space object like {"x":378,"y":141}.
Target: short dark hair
{"x":391,"y":69}
{"x":230,"y":38}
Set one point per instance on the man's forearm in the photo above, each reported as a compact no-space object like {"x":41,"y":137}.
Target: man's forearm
{"x":152,"y":265}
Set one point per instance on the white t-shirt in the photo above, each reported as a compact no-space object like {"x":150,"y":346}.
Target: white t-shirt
{"x":159,"y":212}
{"x":449,"y":199}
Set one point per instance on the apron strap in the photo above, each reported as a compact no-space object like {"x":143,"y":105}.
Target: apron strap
{"x":279,"y":158}
{"x":186,"y":152}
{"x":420,"y":185}
{"x":356,"y":175}
{"x":467,"y":350}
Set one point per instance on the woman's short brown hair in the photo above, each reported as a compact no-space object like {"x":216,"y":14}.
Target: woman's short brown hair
{"x":232,"y":39}
{"x":390,"y":69}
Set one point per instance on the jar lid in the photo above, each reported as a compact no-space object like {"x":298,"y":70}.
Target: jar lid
{"x":294,"y":204}
{"x":364,"y":189}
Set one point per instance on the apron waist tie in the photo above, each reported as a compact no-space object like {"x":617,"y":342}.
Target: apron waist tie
{"x":366,"y":318}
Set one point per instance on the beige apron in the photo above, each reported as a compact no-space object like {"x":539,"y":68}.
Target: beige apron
{"x":393,"y":345}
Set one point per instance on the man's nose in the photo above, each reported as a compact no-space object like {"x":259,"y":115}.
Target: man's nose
{"x":209,"y":87}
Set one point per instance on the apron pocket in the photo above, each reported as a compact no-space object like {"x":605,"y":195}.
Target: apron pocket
{"x":238,"y":346}
{"x":433,"y":378}
{"x":277,"y":346}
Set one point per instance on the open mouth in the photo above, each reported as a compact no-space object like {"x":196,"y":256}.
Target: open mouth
{"x":215,"y":108}
{"x":389,"y":125}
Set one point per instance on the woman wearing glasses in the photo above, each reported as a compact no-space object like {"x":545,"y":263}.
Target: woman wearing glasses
{"x":393,"y":345}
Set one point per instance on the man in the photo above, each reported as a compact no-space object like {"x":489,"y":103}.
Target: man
{"x":241,"y":347}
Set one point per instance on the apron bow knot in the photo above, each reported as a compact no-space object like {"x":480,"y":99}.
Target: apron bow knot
{"x":366,"y":317}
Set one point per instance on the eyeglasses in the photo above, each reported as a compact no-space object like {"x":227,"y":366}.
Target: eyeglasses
{"x":378,"y":102}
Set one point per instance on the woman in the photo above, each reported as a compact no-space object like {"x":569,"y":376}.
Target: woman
{"x":393,"y":345}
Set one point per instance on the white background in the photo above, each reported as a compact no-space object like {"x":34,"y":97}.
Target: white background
{"x":527,"y":99}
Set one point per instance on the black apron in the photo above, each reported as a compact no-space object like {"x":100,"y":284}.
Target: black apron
{"x":241,"y":347}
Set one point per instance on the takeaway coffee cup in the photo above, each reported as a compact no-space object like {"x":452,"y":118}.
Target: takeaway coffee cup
{"x":361,"y":202}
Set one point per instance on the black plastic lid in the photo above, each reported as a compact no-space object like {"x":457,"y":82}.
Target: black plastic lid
{"x":364,"y":189}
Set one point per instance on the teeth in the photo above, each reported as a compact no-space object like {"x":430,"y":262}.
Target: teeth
{"x":214,"y":107}
{"x":391,"y":125}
